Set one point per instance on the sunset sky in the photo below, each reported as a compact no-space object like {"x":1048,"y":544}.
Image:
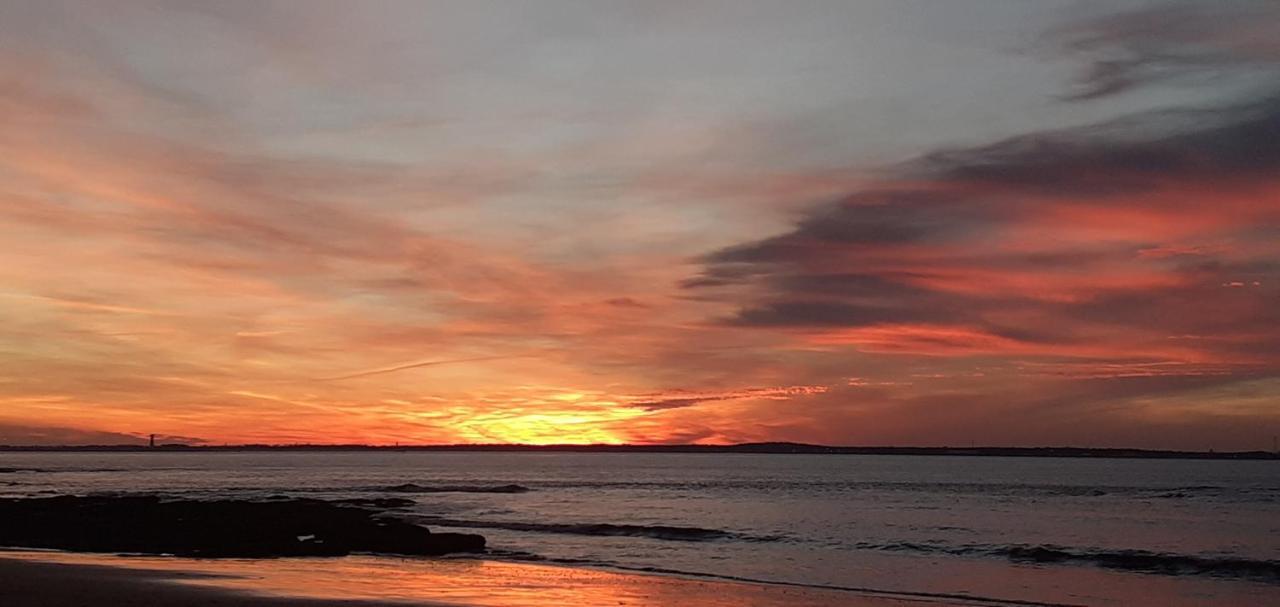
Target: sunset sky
{"x":888,"y":222}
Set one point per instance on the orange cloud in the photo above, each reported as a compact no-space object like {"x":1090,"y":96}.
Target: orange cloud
{"x":185,"y":264}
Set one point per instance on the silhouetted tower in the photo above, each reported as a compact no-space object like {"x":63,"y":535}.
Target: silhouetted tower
{"x":153,"y":441}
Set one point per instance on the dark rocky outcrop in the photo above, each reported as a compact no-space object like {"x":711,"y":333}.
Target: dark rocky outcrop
{"x":210,"y":529}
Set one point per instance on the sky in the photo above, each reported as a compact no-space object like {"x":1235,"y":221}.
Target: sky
{"x":879,"y":222}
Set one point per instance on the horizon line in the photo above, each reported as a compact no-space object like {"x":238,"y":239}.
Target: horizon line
{"x":771,"y":447}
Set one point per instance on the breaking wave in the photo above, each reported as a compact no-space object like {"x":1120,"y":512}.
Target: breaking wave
{"x":659,"y":532}
{"x":416,"y":488}
{"x":1143,"y":561}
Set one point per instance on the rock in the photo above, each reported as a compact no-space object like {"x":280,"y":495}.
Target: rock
{"x":221,"y":528}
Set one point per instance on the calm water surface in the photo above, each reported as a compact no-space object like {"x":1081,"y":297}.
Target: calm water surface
{"x":1075,"y":531}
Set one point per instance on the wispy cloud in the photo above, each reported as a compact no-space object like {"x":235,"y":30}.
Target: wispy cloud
{"x":272,"y":224}
{"x":1178,"y":42}
{"x":418,"y":365}
{"x":680,"y":398}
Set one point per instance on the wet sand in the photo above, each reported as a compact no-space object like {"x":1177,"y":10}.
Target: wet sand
{"x":29,"y":583}
{"x":48,"y":579}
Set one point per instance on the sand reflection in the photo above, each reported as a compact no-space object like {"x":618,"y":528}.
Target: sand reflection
{"x":466,"y":582}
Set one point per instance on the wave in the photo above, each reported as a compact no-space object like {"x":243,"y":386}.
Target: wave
{"x":406,"y":488}
{"x":1143,"y":561}
{"x":400,"y":488}
{"x":1010,"y":489}
{"x":1151,"y":562}
{"x":416,"y":488}
{"x":659,"y":532}
{"x":385,"y":503}
{"x":11,"y":470}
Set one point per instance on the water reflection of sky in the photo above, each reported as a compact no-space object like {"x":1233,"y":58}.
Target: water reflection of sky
{"x":481,"y":583}
{"x":464,"y":582}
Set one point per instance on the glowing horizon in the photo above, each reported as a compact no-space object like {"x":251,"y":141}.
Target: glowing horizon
{"x":848,"y":223}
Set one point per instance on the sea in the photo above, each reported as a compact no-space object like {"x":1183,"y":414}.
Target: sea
{"x":1009,"y":530}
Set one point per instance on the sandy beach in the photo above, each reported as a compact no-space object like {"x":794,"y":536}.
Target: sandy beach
{"x":51,"y":579}
{"x":31,"y":583}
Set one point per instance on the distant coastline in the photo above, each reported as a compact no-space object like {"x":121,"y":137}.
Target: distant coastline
{"x":746,"y":448}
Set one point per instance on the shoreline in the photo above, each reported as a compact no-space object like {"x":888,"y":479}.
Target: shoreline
{"x":50,"y":578}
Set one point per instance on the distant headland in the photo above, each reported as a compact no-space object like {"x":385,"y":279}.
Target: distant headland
{"x":745,"y":448}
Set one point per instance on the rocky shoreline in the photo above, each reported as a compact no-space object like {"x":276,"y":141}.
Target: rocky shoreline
{"x":145,"y":524}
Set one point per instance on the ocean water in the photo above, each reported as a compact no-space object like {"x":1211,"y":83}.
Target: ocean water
{"x":1043,"y":530}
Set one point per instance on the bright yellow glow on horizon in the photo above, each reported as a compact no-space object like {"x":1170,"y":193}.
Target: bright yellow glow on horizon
{"x":395,"y":243}
{"x":569,"y":428}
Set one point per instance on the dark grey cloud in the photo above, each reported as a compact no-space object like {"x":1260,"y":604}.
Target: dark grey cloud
{"x":972,"y":195}
{"x":662,"y":404}
{"x":1125,"y":156}
{"x":1170,"y":43}
{"x":943,"y":240}
{"x":966,"y":195}
{"x":681,"y":399}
